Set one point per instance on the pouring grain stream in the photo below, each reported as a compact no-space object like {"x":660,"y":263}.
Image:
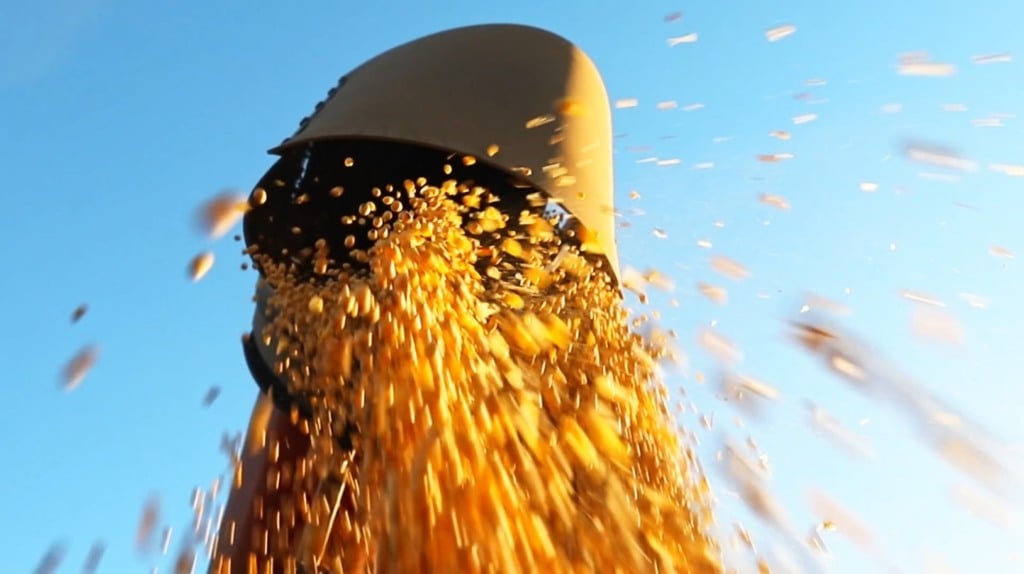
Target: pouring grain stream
{"x":451,"y":381}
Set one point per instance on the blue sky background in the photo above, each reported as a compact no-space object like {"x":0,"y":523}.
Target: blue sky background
{"x":120,"y":118}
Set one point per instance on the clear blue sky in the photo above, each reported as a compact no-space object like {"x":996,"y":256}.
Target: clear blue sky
{"x":120,"y":118}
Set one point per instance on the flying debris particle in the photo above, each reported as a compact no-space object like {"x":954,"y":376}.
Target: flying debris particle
{"x":819,"y":302}
{"x":50,"y":561}
{"x":78,"y":313}
{"x":749,"y":479}
{"x":1006,"y":169}
{"x":632,"y":280}
{"x":667,"y":162}
{"x":165,"y":543}
{"x":659,"y":280}
{"x":869,"y":187}
{"x":846,"y":367}
{"x":185,"y":562}
{"x":816,"y":542}
{"x":987,"y":122}
{"x":744,"y":536}
{"x":714,"y":293}
{"x":837,"y":434}
{"x":626,"y":103}
{"x":991,"y":59}
{"x":703,"y":244}
{"x":922,"y":298}
{"x":218,"y":215}
{"x":93,"y":559}
{"x":697,"y":106}
{"x":975,"y":301}
{"x":718,"y":346}
{"x":938,"y":156}
{"x":673,"y":16}
{"x":200,"y":266}
{"x":686,"y":39}
{"x":971,"y":458}
{"x":492,"y":150}
{"x":729,"y":268}
{"x":923,"y":67}
{"x":708,"y":422}
{"x":634,"y":194}
{"x":147,"y":523}
{"x":780,"y":134}
{"x":758,"y":387}
{"x":892,"y":108}
{"x":704,"y":165}
{"x":774,"y":157}
{"x":983,"y":506}
{"x":776,"y":201}
{"x":779,"y":32}
{"x":954,"y":107}
{"x":668,"y":105}
{"x":78,"y":367}
{"x":1000,"y":252}
{"x":660,"y":233}
{"x":540,"y":121}
{"x":211,"y":395}
{"x":845,"y":522}
{"x":804,"y":119}
{"x":945,"y":177}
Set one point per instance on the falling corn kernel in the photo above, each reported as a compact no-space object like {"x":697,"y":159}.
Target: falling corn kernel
{"x":570,"y":108}
{"x":729,"y":268}
{"x":52,"y":559}
{"x":1000,"y":252}
{"x":779,"y":32}
{"x":492,"y":150}
{"x":539,"y":121}
{"x":933,"y":69}
{"x":463,"y":349}
{"x":147,"y":523}
{"x":93,"y":558}
{"x":684,"y":39}
{"x":78,"y":313}
{"x":200,"y":266}
{"x":714,"y":293}
{"x":218,"y":215}
{"x":776,"y":201}
{"x":78,"y":367}
{"x":211,"y":395}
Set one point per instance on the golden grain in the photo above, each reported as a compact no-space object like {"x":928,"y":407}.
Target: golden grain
{"x":505,"y":409}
